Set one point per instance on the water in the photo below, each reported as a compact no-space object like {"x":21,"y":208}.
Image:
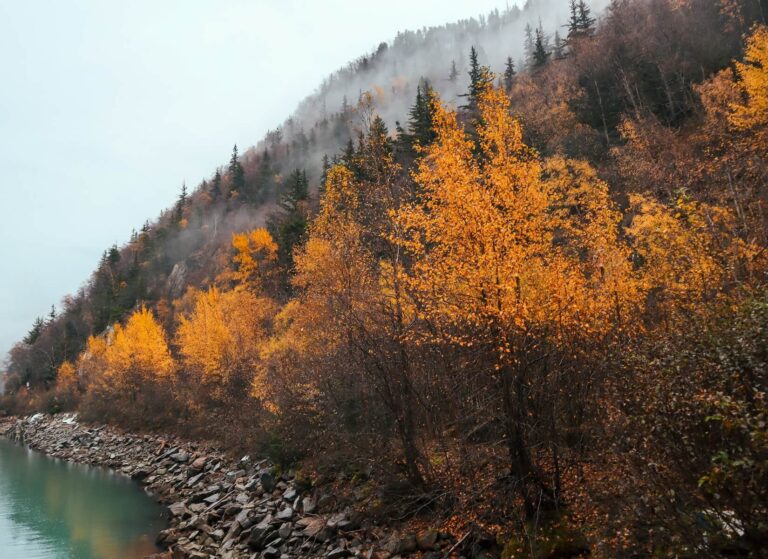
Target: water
{"x":50,"y":509}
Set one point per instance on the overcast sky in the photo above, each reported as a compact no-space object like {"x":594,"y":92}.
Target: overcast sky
{"x":107,"y":106}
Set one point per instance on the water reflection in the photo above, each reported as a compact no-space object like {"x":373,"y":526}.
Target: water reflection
{"x":51,"y":509}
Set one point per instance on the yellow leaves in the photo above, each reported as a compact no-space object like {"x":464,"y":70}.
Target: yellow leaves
{"x":498,"y":239}
{"x":138,"y":351}
{"x":341,"y":197}
{"x":254,"y":259}
{"x":66,"y":376}
{"x":753,"y":72}
{"x":678,"y":247}
{"x":221,"y":337}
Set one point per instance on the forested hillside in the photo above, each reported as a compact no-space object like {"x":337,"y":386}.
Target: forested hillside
{"x":511,"y":272}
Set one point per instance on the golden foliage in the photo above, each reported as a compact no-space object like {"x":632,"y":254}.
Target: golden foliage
{"x":220,"y":338}
{"x":138,"y":352}
{"x":753,"y":71}
{"x":502,"y":243}
{"x":254,"y":259}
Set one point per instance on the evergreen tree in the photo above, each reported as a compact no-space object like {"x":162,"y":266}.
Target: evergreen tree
{"x":509,"y":74}
{"x":37,"y":328}
{"x":288,"y":226}
{"x":113,"y":256}
{"x":454,"y":75}
{"x":559,"y":50}
{"x":528,"y":45}
{"x":480,"y":77}
{"x":216,"y":185}
{"x":421,"y":120}
{"x":52,"y":315}
{"x":580,"y":22}
{"x":296,"y":191}
{"x":540,"y":52}
{"x":181,"y":203}
{"x":586,"y":21}
{"x":573,"y":20}
{"x":324,"y":175}
{"x":236,"y":173}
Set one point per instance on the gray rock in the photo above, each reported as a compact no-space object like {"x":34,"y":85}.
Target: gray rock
{"x":178,"y":509}
{"x":285,"y":514}
{"x":308,"y":505}
{"x":285,"y":530}
{"x":270,"y":553}
{"x":180,"y":456}
{"x":290,"y":494}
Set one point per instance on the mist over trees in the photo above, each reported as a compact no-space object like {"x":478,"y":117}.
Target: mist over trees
{"x":515,"y":265}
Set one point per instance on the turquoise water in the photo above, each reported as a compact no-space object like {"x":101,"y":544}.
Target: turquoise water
{"x":50,"y":509}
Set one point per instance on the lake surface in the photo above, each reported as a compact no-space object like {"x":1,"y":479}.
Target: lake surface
{"x":50,"y":509}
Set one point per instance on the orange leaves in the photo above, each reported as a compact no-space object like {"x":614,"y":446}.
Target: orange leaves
{"x":753,"y":72}
{"x":254,"y":259}
{"x":138,"y":352}
{"x":498,"y":239}
{"x":220,"y":339}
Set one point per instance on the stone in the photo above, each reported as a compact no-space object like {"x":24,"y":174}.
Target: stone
{"x":180,"y":456}
{"x":308,"y":505}
{"x":290,"y":494}
{"x":426,"y":540}
{"x":338,"y":553}
{"x":210,"y":499}
{"x":271,"y":553}
{"x":285,"y":530}
{"x":199,"y":463}
{"x":315,"y":528}
{"x":285,"y":514}
{"x":178,"y":509}
{"x":398,"y":545}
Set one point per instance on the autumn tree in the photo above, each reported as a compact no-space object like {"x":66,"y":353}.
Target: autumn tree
{"x":220,"y":338}
{"x":253,"y":262}
{"x":518,"y":259}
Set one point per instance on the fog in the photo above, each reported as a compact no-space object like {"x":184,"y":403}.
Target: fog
{"x":107,"y":108}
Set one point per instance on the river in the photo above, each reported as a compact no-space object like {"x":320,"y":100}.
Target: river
{"x":50,"y":509}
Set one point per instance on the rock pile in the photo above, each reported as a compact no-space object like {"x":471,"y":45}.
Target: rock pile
{"x":218,"y":507}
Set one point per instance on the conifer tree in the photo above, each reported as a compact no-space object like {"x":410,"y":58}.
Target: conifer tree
{"x":509,"y":74}
{"x":454,"y":75}
{"x":181,"y":203}
{"x":480,"y":78}
{"x":216,"y":185}
{"x":540,"y":52}
{"x":421,"y":130}
{"x":236,"y":173}
{"x":560,"y":45}
{"x":34,"y":333}
{"x":528,"y":45}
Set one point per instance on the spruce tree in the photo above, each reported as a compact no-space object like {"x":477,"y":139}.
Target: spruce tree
{"x":236,"y":173}
{"x":181,"y":203}
{"x":560,"y":45}
{"x":454,"y":75}
{"x":480,"y":77}
{"x":529,"y":45}
{"x":216,"y":185}
{"x":37,"y":328}
{"x":540,"y":51}
{"x":586,"y":21}
{"x":509,"y":74}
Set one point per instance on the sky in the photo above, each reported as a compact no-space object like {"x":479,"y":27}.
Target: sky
{"x":106,"y":107}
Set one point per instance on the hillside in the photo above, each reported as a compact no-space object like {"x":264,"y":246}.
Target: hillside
{"x":506,"y":275}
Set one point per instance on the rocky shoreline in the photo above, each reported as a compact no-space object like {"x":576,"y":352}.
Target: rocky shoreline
{"x":220,"y":507}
